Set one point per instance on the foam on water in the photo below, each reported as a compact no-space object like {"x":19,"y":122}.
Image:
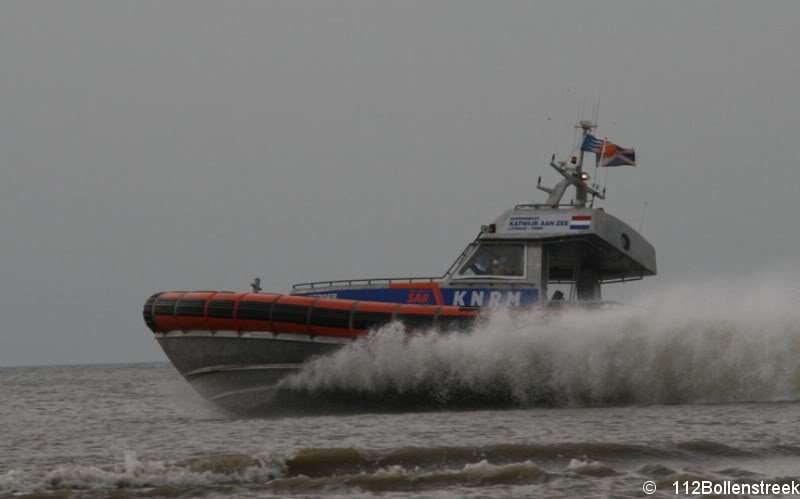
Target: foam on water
{"x":703,"y":342}
{"x":363,"y":470}
{"x":592,"y":468}
{"x":397,"y":477}
{"x":133,"y":473}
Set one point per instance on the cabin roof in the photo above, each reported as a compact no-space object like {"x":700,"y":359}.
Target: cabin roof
{"x":589,"y":235}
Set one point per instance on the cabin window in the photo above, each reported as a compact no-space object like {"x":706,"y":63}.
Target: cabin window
{"x":495,"y":260}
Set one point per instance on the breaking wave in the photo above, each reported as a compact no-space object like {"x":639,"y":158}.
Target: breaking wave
{"x":355,"y":471}
{"x":711,"y":342}
{"x":159,"y":478}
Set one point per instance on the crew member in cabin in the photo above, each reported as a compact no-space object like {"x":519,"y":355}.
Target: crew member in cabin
{"x":502,"y":266}
{"x":480,"y":266}
{"x":495,"y":260}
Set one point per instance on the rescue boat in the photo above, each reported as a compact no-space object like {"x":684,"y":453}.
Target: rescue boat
{"x":235,"y":347}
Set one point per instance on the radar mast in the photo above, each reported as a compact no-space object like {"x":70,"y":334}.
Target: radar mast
{"x":573,"y":176}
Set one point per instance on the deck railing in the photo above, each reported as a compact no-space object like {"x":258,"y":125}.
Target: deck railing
{"x":363,"y":282}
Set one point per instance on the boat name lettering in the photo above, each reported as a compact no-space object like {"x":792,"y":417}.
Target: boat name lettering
{"x":487,"y":298}
{"x":537,"y":222}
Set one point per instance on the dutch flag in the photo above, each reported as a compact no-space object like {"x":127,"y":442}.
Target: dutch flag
{"x":580,"y":222}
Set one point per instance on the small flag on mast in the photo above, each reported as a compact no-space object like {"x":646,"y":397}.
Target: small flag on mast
{"x":608,"y":153}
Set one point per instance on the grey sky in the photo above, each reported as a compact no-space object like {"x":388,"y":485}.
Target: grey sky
{"x":153,"y":145}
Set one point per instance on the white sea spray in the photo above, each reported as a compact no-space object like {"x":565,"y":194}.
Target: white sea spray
{"x":720,"y":341}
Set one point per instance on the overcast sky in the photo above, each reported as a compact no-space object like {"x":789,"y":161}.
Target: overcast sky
{"x":149,"y":145}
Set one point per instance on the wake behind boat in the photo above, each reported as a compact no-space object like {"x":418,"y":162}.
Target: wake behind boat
{"x":234,"y":347}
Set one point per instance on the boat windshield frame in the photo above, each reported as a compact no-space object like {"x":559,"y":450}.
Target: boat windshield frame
{"x":473,"y":248}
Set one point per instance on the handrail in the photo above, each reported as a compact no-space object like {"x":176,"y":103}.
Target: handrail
{"x":523,"y":206}
{"x":355,"y":282}
{"x":468,"y":249}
